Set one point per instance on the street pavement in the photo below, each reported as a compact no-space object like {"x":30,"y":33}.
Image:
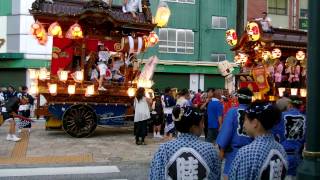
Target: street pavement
{"x":110,"y":153}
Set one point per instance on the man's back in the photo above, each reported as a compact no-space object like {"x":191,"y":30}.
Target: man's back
{"x":215,"y":110}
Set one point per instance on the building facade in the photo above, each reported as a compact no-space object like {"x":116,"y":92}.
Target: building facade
{"x":189,"y":48}
{"x":193,"y":43}
{"x":19,"y":50}
{"x":288,"y":14}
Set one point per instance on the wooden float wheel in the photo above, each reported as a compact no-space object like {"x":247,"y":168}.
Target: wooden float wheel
{"x":79,"y":121}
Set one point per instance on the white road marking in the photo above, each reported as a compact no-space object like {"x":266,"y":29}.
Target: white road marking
{"x":58,"y":171}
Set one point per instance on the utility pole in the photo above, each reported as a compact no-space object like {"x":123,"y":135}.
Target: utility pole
{"x":310,"y":167}
{"x":241,"y":9}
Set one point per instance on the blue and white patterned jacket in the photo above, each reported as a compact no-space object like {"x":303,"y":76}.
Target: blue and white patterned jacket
{"x":186,"y":156}
{"x":262,"y":158}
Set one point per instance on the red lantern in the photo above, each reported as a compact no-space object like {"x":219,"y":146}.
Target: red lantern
{"x":38,"y":31}
{"x":231,"y":37}
{"x":75,"y":32}
{"x":55,"y":30}
{"x":153,"y":39}
{"x":253,"y":31}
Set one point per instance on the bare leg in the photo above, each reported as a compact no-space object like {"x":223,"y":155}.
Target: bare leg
{"x":154,"y":131}
{"x":101,"y":80}
{"x":12,"y":127}
{"x":158,"y":128}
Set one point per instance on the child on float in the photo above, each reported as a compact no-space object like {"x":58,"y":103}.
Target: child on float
{"x":264,"y":157}
{"x":132,"y":6}
{"x":104,"y":55}
{"x":115,"y":71}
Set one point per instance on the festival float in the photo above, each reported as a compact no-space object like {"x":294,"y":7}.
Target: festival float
{"x":73,"y":101}
{"x":271,"y":61}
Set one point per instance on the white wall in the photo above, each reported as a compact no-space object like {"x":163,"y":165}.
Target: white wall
{"x":230,"y":83}
{"x":21,"y":7}
{"x":303,"y":4}
{"x":279,"y":21}
{"x":3,"y":33}
{"x":194,"y":82}
{"x":202,"y":82}
{"x":18,"y":31}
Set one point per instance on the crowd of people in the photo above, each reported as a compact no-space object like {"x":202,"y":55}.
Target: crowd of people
{"x":16,"y":104}
{"x":256,"y":139}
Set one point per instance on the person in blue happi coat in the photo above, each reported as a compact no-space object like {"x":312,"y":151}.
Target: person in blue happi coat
{"x":232,"y":136}
{"x":186,"y":157}
{"x":264,"y":157}
{"x":291,"y":133}
{"x":169,"y":103}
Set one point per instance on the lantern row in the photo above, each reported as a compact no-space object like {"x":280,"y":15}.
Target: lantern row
{"x":74,"y":32}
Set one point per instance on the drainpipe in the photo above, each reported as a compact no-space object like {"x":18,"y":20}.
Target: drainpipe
{"x":199,"y":41}
{"x":294,"y":14}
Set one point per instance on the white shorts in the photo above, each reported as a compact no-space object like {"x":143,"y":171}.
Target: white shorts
{"x":102,"y":69}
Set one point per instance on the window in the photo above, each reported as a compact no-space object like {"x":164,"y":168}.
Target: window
{"x":278,"y":7}
{"x":303,"y":20}
{"x":218,"y":57}
{"x":182,"y":1}
{"x":219,"y":22}
{"x":176,"y":41}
